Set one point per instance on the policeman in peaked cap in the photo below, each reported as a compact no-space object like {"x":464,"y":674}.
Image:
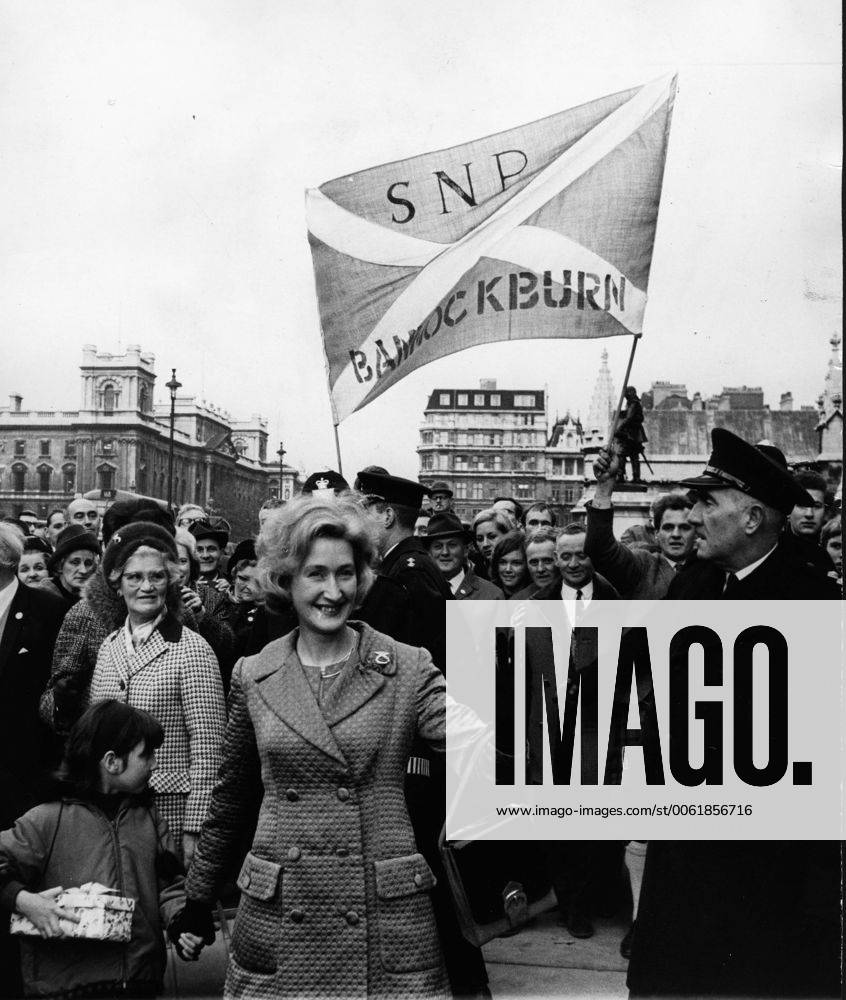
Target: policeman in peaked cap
{"x":408,"y":602}
{"x":728,"y":918}
{"x":741,"y":501}
{"x":326,"y":482}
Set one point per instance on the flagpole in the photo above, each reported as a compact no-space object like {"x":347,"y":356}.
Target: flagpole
{"x":337,"y":443}
{"x":613,"y":430}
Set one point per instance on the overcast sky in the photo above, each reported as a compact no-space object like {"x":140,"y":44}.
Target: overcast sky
{"x":155,"y":157}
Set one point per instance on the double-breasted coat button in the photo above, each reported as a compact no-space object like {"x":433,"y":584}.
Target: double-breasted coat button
{"x":418,"y":879}
{"x":294,"y":854}
{"x":291,"y":795}
{"x":247,"y":880}
{"x":343,"y":794}
{"x":352,"y":918}
{"x":122,"y":685}
{"x":297,"y":916}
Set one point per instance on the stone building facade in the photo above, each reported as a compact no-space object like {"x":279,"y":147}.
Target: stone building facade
{"x":118,"y":439}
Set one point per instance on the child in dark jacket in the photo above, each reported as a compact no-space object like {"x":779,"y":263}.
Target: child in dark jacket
{"x":105,"y":829}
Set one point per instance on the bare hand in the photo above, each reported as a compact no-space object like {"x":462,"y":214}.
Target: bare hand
{"x":189,"y":845}
{"x":190,"y":946}
{"x":221,"y":585}
{"x":192,"y":600}
{"x":606,"y":465}
{"x":41,"y":910}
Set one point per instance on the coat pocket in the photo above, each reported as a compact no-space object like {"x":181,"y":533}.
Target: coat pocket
{"x":408,"y":938}
{"x":255,"y":937}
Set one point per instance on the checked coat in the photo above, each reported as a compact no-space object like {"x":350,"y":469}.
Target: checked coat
{"x":174,"y":676}
{"x":335,"y":896}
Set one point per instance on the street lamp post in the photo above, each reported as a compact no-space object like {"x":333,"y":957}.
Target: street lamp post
{"x":172,"y":386}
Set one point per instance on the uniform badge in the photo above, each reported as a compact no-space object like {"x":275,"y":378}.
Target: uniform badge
{"x":322,"y":484}
{"x":411,"y":561}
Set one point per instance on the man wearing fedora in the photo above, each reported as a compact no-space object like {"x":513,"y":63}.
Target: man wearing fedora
{"x":740,"y":918}
{"x":212,"y":536}
{"x":441,"y":496}
{"x":448,"y":542}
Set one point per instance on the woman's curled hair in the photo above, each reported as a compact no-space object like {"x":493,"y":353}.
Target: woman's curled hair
{"x":290,"y":531}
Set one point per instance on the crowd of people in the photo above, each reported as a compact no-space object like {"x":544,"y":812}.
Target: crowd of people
{"x":181,"y":715}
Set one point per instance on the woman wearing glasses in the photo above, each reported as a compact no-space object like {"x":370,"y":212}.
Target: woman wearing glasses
{"x":154,"y":663}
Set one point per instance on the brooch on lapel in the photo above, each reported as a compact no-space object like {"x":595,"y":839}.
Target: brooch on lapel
{"x":380,"y":661}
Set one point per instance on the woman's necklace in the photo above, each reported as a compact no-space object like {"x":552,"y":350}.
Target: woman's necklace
{"x":324,"y":667}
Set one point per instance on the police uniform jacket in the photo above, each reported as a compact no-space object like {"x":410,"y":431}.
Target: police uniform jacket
{"x":740,"y":918}
{"x":406,"y":601}
{"x":335,"y":896}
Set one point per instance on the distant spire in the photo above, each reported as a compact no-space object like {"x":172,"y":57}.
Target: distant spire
{"x":832,"y":398}
{"x":603,"y":402}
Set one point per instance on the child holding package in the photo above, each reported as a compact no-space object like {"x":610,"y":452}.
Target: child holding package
{"x":107,"y":830}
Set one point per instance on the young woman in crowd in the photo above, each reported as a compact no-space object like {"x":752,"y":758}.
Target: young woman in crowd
{"x":325,"y":717}
{"x":508,"y":563}
{"x":104,"y":829}
{"x":489,"y":526}
{"x":153,"y":663}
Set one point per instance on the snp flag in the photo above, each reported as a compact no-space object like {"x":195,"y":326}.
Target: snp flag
{"x":545,"y":230}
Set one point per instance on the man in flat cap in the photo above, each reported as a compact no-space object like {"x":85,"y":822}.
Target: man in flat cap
{"x":740,"y":918}
{"x":408,"y":602}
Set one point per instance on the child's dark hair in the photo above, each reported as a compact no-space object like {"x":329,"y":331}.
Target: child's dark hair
{"x":106,"y":725}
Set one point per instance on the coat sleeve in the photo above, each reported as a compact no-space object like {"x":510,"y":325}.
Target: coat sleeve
{"x":23,"y":854}
{"x":204,"y":711}
{"x":169,"y":871}
{"x":619,"y":565}
{"x":233,"y":800}
{"x":70,"y":660}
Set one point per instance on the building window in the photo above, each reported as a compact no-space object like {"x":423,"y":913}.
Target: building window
{"x":556,"y":466}
{"x":524,"y":399}
{"x":44,"y":476}
{"x":476,"y":491}
{"x":569,"y":466}
{"x":479,"y":399}
{"x":69,"y":479}
{"x":463,"y":399}
{"x":44,"y":449}
{"x":18,"y":478}
{"x":461,"y":491}
{"x":443,"y":399}
{"x":20,"y":449}
{"x":580,"y":466}
{"x":70,"y":449}
{"x":569,"y":494}
{"x":496,"y":399}
{"x":106,"y":477}
{"x":109,"y":396}
{"x":426,"y":463}
{"x":461,"y":463}
{"x":426,"y":437}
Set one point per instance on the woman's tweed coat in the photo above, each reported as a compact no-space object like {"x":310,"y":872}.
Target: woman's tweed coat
{"x":173,"y":676}
{"x":83,"y":632}
{"x":335,"y":897}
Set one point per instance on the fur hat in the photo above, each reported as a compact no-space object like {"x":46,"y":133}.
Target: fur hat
{"x":131,"y":537}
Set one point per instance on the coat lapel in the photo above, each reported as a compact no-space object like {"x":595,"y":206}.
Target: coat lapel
{"x":285,"y":690}
{"x":148,"y":651}
{"x":18,"y":614}
{"x":360,"y":680}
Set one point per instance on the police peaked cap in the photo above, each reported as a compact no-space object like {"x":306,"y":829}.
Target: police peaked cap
{"x":440,"y":487}
{"x":392,"y":489}
{"x":446,"y":525}
{"x":735,"y":464}
{"x":327,"y":481}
